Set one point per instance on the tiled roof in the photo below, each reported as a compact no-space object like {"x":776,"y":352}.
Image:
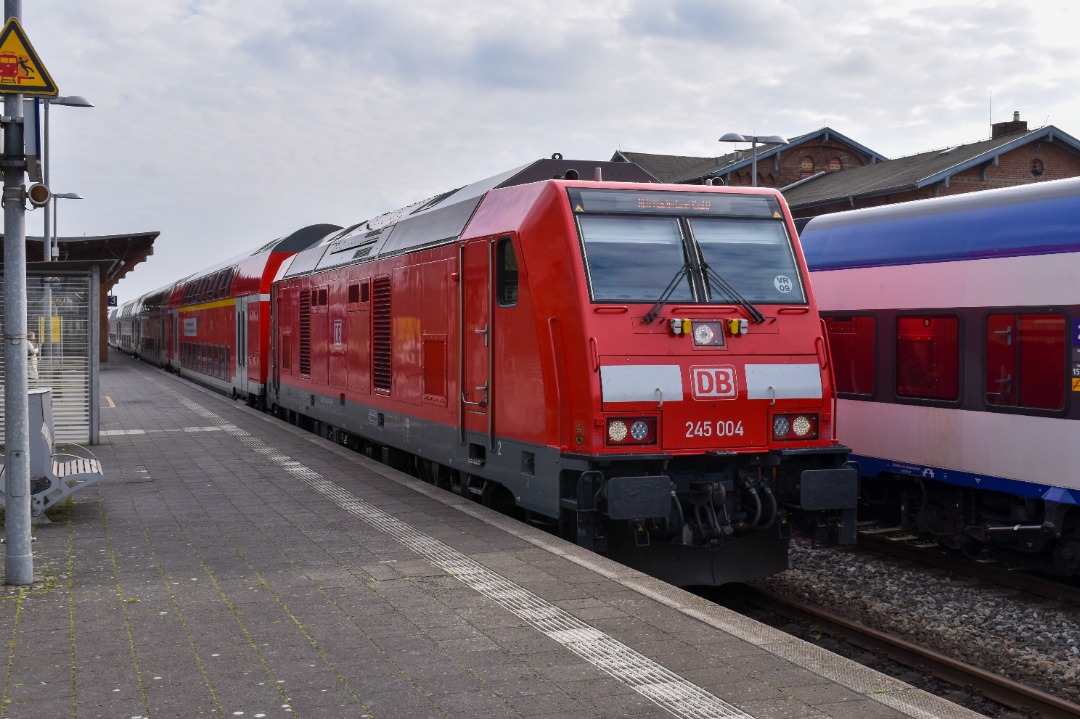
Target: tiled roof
{"x":914,"y":172}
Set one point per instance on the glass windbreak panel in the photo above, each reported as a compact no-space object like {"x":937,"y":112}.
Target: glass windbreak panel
{"x":754,"y":257}
{"x":633,"y":259}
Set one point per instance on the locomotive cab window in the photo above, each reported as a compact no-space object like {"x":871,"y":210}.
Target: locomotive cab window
{"x":928,"y":357}
{"x":753,"y":256}
{"x":507,"y":281}
{"x":1025,"y":360}
{"x":634,"y":258}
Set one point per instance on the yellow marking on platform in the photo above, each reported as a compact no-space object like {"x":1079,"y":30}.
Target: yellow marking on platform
{"x":108,"y":401}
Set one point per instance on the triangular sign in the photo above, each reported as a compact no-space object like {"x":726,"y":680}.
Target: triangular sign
{"x":21,"y":70}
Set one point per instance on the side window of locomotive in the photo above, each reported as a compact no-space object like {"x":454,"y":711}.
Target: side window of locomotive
{"x":1025,"y":360}
{"x":851,"y":338}
{"x":928,"y":357}
{"x":753,"y":256}
{"x":633,"y":259}
{"x":507,"y":264}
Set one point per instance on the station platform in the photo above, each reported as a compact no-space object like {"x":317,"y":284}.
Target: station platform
{"x":231,"y":565}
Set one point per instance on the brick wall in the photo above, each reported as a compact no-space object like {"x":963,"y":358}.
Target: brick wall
{"x":829,"y":157}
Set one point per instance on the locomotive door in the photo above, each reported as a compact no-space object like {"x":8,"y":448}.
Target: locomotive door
{"x":476,"y":344}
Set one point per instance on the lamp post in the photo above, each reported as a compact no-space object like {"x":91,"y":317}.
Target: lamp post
{"x":54,"y":242}
{"x":753,"y":140}
{"x":52,"y":251}
{"x":48,"y":234}
{"x":66,"y":101}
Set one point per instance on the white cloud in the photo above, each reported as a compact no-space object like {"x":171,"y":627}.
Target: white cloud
{"x":224,"y":123}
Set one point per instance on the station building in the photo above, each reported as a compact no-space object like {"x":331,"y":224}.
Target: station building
{"x":825,"y":171}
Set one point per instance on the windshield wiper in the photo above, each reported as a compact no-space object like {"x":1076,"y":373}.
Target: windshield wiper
{"x":711,"y":276}
{"x":655,"y":310}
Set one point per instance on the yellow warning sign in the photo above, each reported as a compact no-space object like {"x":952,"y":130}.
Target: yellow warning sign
{"x":1076,"y":384}
{"x":21,"y":70}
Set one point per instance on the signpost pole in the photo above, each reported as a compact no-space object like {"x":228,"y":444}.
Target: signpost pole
{"x":19,"y":559}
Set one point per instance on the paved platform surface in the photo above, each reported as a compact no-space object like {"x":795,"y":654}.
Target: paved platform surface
{"x":233,"y":566}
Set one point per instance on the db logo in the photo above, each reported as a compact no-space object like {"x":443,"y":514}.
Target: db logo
{"x":714,"y":382}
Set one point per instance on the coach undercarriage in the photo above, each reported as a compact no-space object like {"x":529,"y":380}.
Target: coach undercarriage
{"x":1031,"y":531}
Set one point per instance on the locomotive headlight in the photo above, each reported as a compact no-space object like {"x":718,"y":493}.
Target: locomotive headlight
{"x":708,"y":334}
{"x":616,"y":430}
{"x":795,"y":426}
{"x":703,"y":335}
{"x":630,"y":431}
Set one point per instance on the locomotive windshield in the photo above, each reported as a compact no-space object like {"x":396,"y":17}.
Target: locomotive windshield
{"x":632,"y":258}
{"x":636,"y":242}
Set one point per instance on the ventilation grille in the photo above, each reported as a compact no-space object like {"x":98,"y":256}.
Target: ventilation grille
{"x":381,"y":320}
{"x":305,"y":333}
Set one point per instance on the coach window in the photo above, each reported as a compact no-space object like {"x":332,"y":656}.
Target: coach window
{"x":928,"y":357}
{"x":852,"y":341}
{"x":507,"y":265}
{"x":1025,"y":360}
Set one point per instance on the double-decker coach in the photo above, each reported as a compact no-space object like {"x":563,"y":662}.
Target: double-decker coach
{"x":213,"y":327}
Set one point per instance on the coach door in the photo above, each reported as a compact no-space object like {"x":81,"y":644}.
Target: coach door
{"x":475,"y":344}
{"x":242,"y":343}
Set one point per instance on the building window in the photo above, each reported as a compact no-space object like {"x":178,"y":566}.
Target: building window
{"x":1037,"y":167}
{"x":928,"y":357}
{"x":836,"y":164}
{"x":1025,"y":360}
{"x":806,"y":166}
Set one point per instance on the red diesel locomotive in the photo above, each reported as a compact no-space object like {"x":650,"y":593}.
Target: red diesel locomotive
{"x":639,"y":366}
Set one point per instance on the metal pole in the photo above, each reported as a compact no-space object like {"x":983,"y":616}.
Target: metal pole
{"x":47,"y":239}
{"x":753,"y":152}
{"x":19,"y":560}
{"x":45,"y":341}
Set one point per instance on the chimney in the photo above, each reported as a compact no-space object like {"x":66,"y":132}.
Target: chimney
{"x":999,"y":129}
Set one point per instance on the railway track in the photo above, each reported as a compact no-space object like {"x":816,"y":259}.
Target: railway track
{"x":895,"y":542}
{"x":1026,"y":700}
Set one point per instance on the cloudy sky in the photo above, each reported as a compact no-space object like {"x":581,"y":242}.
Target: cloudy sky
{"x":225,"y":123}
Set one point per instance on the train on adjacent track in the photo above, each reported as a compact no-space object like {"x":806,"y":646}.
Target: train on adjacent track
{"x":954,"y":325}
{"x":639,"y":367}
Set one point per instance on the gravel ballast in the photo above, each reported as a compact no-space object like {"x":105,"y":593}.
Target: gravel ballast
{"x":1030,"y":640}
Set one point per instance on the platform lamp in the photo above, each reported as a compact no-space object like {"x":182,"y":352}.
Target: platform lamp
{"x":753,"y":140}
{"x":66,"y":101}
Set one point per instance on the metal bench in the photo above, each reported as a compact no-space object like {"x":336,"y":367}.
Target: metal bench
{"x":54,"y":476}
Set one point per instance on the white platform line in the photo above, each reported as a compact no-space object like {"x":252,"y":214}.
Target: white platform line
{"x":655,"y":682}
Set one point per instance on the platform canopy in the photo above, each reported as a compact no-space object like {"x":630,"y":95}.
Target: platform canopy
{"x":116,"y":255}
